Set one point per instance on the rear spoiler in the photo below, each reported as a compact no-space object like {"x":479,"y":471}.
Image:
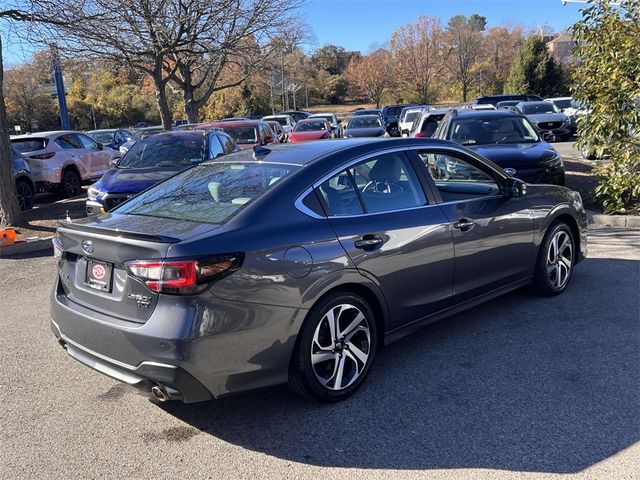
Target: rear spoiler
{"x":119,"y":233}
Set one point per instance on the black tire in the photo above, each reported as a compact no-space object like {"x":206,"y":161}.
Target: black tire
{"x":26,"y":194}
{"x":549,"y":277}
{"x":304,"y":375}
{"x":71,"y":184}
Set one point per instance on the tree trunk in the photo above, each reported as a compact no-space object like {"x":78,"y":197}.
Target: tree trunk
{"x":161,"y":97}
{"x":10,"y":214}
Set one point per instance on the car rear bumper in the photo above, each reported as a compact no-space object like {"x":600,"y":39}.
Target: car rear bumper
{"x":197,"y":348}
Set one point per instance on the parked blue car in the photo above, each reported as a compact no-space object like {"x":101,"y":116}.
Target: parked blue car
{"x":153,"y":159}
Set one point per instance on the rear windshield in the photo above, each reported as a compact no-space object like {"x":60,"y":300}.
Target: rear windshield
{"x":142,"y":134}
{"x":281,"y":120}
{"x":242,"y":135}
{"x":310,"y":126}
{"x":164,"y":151}
{"x":393,"y":111}
{"x":210,"y":193}
{"x":24,"y":145}
{"x":365,"y":122}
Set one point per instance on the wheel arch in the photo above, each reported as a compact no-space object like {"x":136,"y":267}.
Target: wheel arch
{"x":565,"y":216}
{"x":70,"y":166}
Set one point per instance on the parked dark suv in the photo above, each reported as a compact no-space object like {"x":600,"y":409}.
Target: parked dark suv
{"x":391,"y":116}
{"x":494,"y":99}
{"x":25,"y":188}
{"x":508,"y":139}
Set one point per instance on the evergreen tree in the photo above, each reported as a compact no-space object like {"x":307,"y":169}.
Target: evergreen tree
{"x":534,"y":70}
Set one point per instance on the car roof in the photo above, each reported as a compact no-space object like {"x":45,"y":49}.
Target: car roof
{"x":306,"y":153}
{"x":482,"y":113}
{"x":314,"y":119}
{"x":368,"y":115}
{"x":535,"y":102}
{"x":53,"y":133}
{"x":322,"y":114}
{"x":104,"y":130}
{"x":236,"y":123}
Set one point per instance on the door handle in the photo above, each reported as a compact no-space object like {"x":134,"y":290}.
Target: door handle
{"x":464,"y":224}
{"x":368,"y":242}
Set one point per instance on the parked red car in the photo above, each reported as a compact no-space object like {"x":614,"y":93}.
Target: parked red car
{"x":310,"y":129}
{"x":247,"y":133}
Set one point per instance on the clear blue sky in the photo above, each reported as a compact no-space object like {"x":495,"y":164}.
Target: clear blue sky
{"x":362,"y":24}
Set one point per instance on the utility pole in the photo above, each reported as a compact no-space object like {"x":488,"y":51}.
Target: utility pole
{"x":62,"y":96}
{"x":284,"y":106}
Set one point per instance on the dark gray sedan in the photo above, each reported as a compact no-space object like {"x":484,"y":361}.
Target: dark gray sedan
{"x":297,"y":262}
{"x":365,"y":126}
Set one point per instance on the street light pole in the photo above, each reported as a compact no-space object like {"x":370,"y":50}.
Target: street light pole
{"x":62,"y":97}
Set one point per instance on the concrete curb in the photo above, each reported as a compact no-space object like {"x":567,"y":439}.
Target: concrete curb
{"x":26,"y":247}
{"x":619,"y":221}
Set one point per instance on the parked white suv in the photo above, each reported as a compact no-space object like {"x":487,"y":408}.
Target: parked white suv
{"x":64,"y":159}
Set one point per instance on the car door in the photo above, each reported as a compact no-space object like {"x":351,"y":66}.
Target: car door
{"x":393,"y":233}
{"x":492,"y":232}
{"x":75,"y":153}
{"x":98,"y":159}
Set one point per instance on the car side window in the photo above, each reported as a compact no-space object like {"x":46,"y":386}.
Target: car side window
{"x":457,"y":179}
{"x":381,"y":184}
{"x":215,"y":147}
{"x":87,"y":142}
{"x":67,"y":142}
{"x":227,"y":142}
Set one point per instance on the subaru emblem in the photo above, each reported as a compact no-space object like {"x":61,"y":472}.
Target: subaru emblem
{"x":87,"y":246}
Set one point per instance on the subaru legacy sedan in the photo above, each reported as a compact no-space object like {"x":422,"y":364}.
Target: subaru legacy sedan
{"x":296,"y":263}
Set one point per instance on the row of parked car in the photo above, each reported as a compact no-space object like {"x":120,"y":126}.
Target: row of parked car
{"x":511,"y":130}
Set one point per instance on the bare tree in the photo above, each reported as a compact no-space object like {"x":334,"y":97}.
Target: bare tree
{"x":465,"y":52}
{"x":419,"y":49}
{"x":235,"y":33}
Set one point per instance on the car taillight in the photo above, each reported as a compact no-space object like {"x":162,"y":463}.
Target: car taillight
{"x":183,"y":277}
{"x":43,"y":156}
{"x":421,"y":135}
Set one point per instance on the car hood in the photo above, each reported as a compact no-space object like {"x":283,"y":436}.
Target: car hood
{"x":518,"y":155}
{"x":364,"y":132}
{"x":313,"y":135}
{"x":134,"y":180}
{"x":547,"y":117}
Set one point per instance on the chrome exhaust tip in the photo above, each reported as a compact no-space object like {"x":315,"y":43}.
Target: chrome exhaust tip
{"x":159,"y":393}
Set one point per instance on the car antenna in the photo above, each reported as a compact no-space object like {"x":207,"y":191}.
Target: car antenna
{"x":259,"y":151}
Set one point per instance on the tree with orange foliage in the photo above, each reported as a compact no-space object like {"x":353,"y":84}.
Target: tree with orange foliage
{"x":371,"y":75}
{"x":418,"y":49}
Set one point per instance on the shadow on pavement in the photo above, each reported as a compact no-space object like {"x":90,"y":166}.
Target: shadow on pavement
{"x":521,"y":383}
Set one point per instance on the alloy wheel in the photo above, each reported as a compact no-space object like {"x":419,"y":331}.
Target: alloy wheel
{"x":341,"y":347}
{"x":559,"y":260}
{"x":71,"y":184}
{"x":25,"y":196}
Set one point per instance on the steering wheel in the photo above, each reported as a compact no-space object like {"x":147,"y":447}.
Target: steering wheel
{"x":382,"y":187}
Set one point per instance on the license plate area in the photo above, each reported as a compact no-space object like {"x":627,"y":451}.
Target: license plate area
{"x":99,"y":275}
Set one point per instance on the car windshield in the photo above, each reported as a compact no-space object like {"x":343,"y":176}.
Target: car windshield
{"x":393,"y":111}
{"x":242,"y":135}
{"x":281,"y":120}
{"x":24,"y":145}
{"x":142,"y":134}
{"x":328,"y":118}
{"x":564,"y":103}
{"x":410,"y":117}
{"x":165,"y":150}
{"x":102,"y":137}
{"x":365,"y":122}
{"x":210,"y":193}
{"x":310,"y":126}
{"x":535,"y":108}
{"x":487,"y":131}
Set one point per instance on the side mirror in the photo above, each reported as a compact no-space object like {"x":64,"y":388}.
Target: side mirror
{"x":515,"y":188}
{"x":548,"y":137}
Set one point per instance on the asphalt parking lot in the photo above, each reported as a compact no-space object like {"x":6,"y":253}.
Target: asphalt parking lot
{"x":521,"y":387}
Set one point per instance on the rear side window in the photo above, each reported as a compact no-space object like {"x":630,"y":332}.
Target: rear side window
{"x":210,"y":193}
{"x":67,"y":142}
{"x":382,"y":184}
{"x":24,"y":145}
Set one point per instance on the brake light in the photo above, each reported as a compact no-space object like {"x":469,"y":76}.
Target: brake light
{"x":43,"y":156}
{"x":421,"y":135}
{"x":183,"y":277}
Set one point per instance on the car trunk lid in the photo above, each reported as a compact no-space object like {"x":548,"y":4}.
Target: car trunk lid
{"x":93,"y":270}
